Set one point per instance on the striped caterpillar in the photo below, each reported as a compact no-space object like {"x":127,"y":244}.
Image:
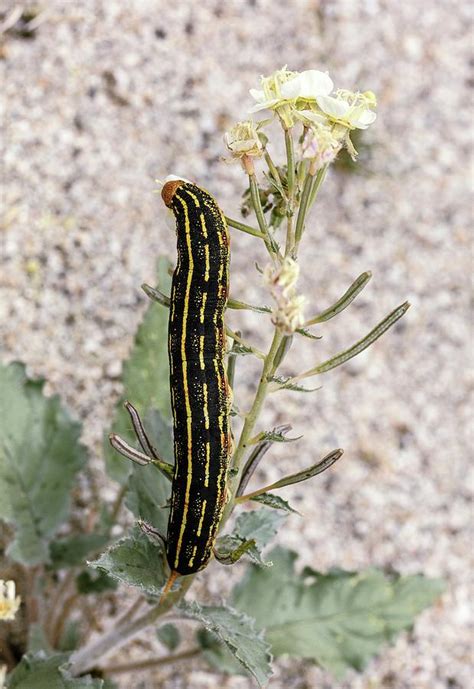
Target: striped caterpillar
{"x":200,"y":395}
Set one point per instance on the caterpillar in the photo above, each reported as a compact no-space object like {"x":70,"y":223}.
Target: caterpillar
{"x":200,"y":394}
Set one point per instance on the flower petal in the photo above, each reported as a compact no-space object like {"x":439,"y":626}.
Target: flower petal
{"x":362,"y":119}
{"x":308,"y":84}
{"x":334,"y":107}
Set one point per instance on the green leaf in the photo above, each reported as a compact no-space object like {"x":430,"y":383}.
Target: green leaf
{"x":340,"y":619}
{"x":271,"y":500}
{"x":94,"y":582}
{"x":281,"y":383}
{"x":231,"y":547}
{"x":74,"y":550}
{"x":168,"y":634}
{"x":275,"y":436}
{"x":135,"y":561}
{"x":217,"y":654}
{"x":237,"y":632}
{"x":307,"y":333}
{"x":241,"y":305}
{"x":40,"y":455}
{"x":148,"y":489}
{"x":145,"y":377}
{"x":359,"y":346}
{"x":256,"y":457}
{"x":260,"y":525}
{"x":305,"y":474}
{"x":342,"y":303}
{"x":39,"y":671}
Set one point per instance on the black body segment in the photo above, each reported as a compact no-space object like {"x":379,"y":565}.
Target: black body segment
{"x":200,"y":396}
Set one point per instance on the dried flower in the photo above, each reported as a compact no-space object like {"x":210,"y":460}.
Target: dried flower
{"x":9,"y":604}
{"x":282,"y":277}
{"x":320,"y":145}
{"x":243,"y":140}
{"x":287,"y":314}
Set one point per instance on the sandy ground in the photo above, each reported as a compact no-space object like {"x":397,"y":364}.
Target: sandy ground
{"x":108,"y":96}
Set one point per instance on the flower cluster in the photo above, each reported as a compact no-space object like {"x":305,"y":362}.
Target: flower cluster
{"x":287,"y":314}
{"x":9,"y":602}
{"x":328,"y":116}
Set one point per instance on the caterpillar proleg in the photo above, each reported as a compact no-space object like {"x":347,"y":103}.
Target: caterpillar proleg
{"x":200,"y":395}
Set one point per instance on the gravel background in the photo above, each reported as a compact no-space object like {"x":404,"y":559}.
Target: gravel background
{"x":109,"y":95}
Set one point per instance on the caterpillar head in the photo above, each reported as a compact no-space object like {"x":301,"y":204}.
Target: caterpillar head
{"x":171,"y":184}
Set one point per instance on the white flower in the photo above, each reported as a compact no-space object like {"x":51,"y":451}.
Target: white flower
{"x":351,"y":110}
{"x":283,"y":89}
{"x":308,"y":85}
{"x":9,"y":604}
{"x":243,"y":140}
{"x":269,"y":96}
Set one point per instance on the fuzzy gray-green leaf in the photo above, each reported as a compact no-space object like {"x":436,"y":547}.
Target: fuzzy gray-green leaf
{"x":237,"y":632}
{"x":40,"y":455}
{"x":260,"y":525}
{"x":340,"y":620}
{"x":230,"y":548}
{"x":274,"y":501}
{"x":41,"y":671}
{"x":135,"y":561}
{"x":168,"y":634}
{"x":74,"y":550}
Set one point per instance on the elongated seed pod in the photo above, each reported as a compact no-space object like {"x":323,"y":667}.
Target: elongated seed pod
{"x":200,"y":395}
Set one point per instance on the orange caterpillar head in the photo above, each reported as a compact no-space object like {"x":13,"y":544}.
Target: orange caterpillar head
{"x":171,"y":184}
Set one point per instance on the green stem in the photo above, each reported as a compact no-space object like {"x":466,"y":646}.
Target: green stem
{"x":262,"y":223}
{"x":273,"y":169}
{"x":318,"y":180}
{"x":253,"y":414}
{"x":290,"y":179}
{"x":304,"y":205}
{"x":290,"y":161}
{"x":244,"y":228}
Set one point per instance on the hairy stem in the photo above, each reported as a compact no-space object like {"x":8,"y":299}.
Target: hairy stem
{"x":89,"y":656}
{"x":152,"y":662}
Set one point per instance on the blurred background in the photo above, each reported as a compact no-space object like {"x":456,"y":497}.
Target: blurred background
{"x":100,"y":97}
